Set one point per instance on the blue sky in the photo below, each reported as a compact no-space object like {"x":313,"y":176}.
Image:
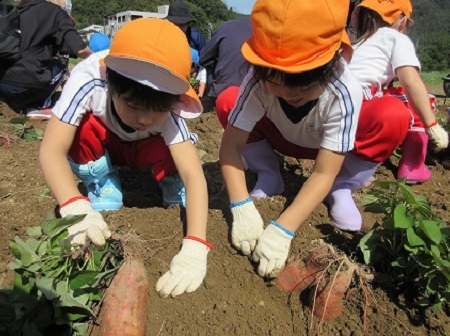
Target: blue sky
{"x":241,"y":6}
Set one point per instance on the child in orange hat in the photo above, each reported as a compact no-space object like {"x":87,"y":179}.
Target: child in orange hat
{"x":301,"y":100}
{"x":126,"y":107}
{"x":383,"y":52}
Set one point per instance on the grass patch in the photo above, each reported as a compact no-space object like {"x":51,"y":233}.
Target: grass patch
{"x":432,"y":77}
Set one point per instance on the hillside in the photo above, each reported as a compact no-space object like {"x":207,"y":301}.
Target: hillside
{"x":431,"y":32}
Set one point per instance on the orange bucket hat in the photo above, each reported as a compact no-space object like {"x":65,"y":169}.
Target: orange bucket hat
{"x":295,"y":36}
{"x":390,"y":10}
{"x":155,"y":53}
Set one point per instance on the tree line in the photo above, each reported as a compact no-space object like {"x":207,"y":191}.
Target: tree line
{"x":430,"y":34}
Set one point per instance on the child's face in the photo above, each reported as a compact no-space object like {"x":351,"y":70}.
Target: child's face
{"x":295,"y":96}
{"x":136,"y":117}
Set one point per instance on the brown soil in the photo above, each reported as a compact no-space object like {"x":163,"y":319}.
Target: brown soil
{"x":233,"y":300}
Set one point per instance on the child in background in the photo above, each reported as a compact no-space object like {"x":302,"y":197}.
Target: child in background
{"x":129,"y":112}
{"x":382,"y":53}
{"x":300,"y":99}
{"x":99,"y":42}
{"x":198,"y":75}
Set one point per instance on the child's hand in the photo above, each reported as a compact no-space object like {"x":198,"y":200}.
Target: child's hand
{"x":438,"y":136}
{"x":272,"y":250}
{"x":92,"y":227}
{"x":187,"y":269}
{"x":247,"y":226}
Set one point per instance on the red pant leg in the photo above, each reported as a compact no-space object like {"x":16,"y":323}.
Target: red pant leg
{"x":93,"y":137}
{"x":399,"y":93}
{"x":382,"y":127}
{"x":224,"y":103}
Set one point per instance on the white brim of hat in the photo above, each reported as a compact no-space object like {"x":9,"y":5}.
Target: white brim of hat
{"x":150,"y":74}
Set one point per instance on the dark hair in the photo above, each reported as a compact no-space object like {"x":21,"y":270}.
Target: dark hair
{"x":322,"y":74}
{"x":369,"y":22}
{"x":140,"y":94}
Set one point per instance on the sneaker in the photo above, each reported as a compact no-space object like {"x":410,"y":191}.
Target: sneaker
{"x":38,"y":114}
{"x":173,"y":191}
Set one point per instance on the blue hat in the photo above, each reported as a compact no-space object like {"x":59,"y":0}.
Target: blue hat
{"x":99,"y":42}
{"x":195,"y":55}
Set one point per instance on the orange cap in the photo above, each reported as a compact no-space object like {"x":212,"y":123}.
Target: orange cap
{"x":390,"y":10}
{"x":155,"y":53}
{"x":295,"y":35}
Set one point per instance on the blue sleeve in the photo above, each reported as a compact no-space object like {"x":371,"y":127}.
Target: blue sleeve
{"x":197,"y":40}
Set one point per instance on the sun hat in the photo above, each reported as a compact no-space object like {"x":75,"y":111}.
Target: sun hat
{"x":195,"y":56}
{"x":295,"y":36}
{"x":155,"y":53}
{"x":99,"y":42}
{"x":179,"y":13}
{"x":390,"y":10}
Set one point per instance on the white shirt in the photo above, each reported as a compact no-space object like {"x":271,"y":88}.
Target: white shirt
{"x":375,"y":61}
{"x":87,"y":91}
{"x":331,"y":123}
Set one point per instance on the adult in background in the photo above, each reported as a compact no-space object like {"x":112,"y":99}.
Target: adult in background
{"x":180,"y":15}
{"x":47,"y":30}
{"x":222,"y":56}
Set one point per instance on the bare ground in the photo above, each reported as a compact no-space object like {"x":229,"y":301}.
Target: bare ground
{"x":233,"y":300}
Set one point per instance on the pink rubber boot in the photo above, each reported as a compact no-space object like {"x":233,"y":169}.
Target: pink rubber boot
{"x":355,"y":173}
{"x":412,"y":164}
{"x":263,"y":161}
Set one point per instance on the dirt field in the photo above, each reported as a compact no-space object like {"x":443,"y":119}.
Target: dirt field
{"x":233,"y":300}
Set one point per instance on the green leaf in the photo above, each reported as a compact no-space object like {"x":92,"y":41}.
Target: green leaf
{"x":81,"y":279}
{"x":432,"y":230}
{"x":44,"y":193}
{"x":22,"y":251}
{"x":67,"y":300}
{"x":413,"y":250}
{"x":367,"y":245}
{"x":401,"y":220}
{"x":15,"y":264}
{"x":18,"y":120}
{"x":400,"y":262}
{"x":34,"y":231}
{"x":33,"y":244}
{"x":45,"y":285}
{"x":53,"y":227}
{"x":413,"y":238}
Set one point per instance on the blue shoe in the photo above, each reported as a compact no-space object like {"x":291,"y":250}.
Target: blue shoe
{"x":106,"y":194}
{"x":102,"y":183}
{"x":173,"y":191}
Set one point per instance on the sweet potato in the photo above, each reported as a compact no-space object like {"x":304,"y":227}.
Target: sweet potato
{"x":298,"y":276}
{"x":124,"y":309}
{"x":328,"y":303}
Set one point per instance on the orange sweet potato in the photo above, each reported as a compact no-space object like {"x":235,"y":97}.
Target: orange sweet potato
{"x":124,"y":309}
{"x":328,"y":303}
{"x":298,"y":276}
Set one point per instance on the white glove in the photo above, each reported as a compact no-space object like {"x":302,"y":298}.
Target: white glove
{"x":187,"y":269}
{"x":438,"y":136}
{"x":272,"y":250}
{"x":247,"y":226}
{"x":92,"y":227}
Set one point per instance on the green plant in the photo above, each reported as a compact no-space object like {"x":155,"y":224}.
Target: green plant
{"x":27,"y":133}
{"x":56,"y":286}
{"x":411,"y":243}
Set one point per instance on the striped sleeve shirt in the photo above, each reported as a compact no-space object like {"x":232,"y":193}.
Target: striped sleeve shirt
{"x":330,"y":124}
{"x":87,"y":91}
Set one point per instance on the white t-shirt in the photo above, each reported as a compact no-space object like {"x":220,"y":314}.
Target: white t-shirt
{"x":87,"y":91}
{"x":330,"y":124}
{"x":375,"y":60}
{"x":201,"y":75}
